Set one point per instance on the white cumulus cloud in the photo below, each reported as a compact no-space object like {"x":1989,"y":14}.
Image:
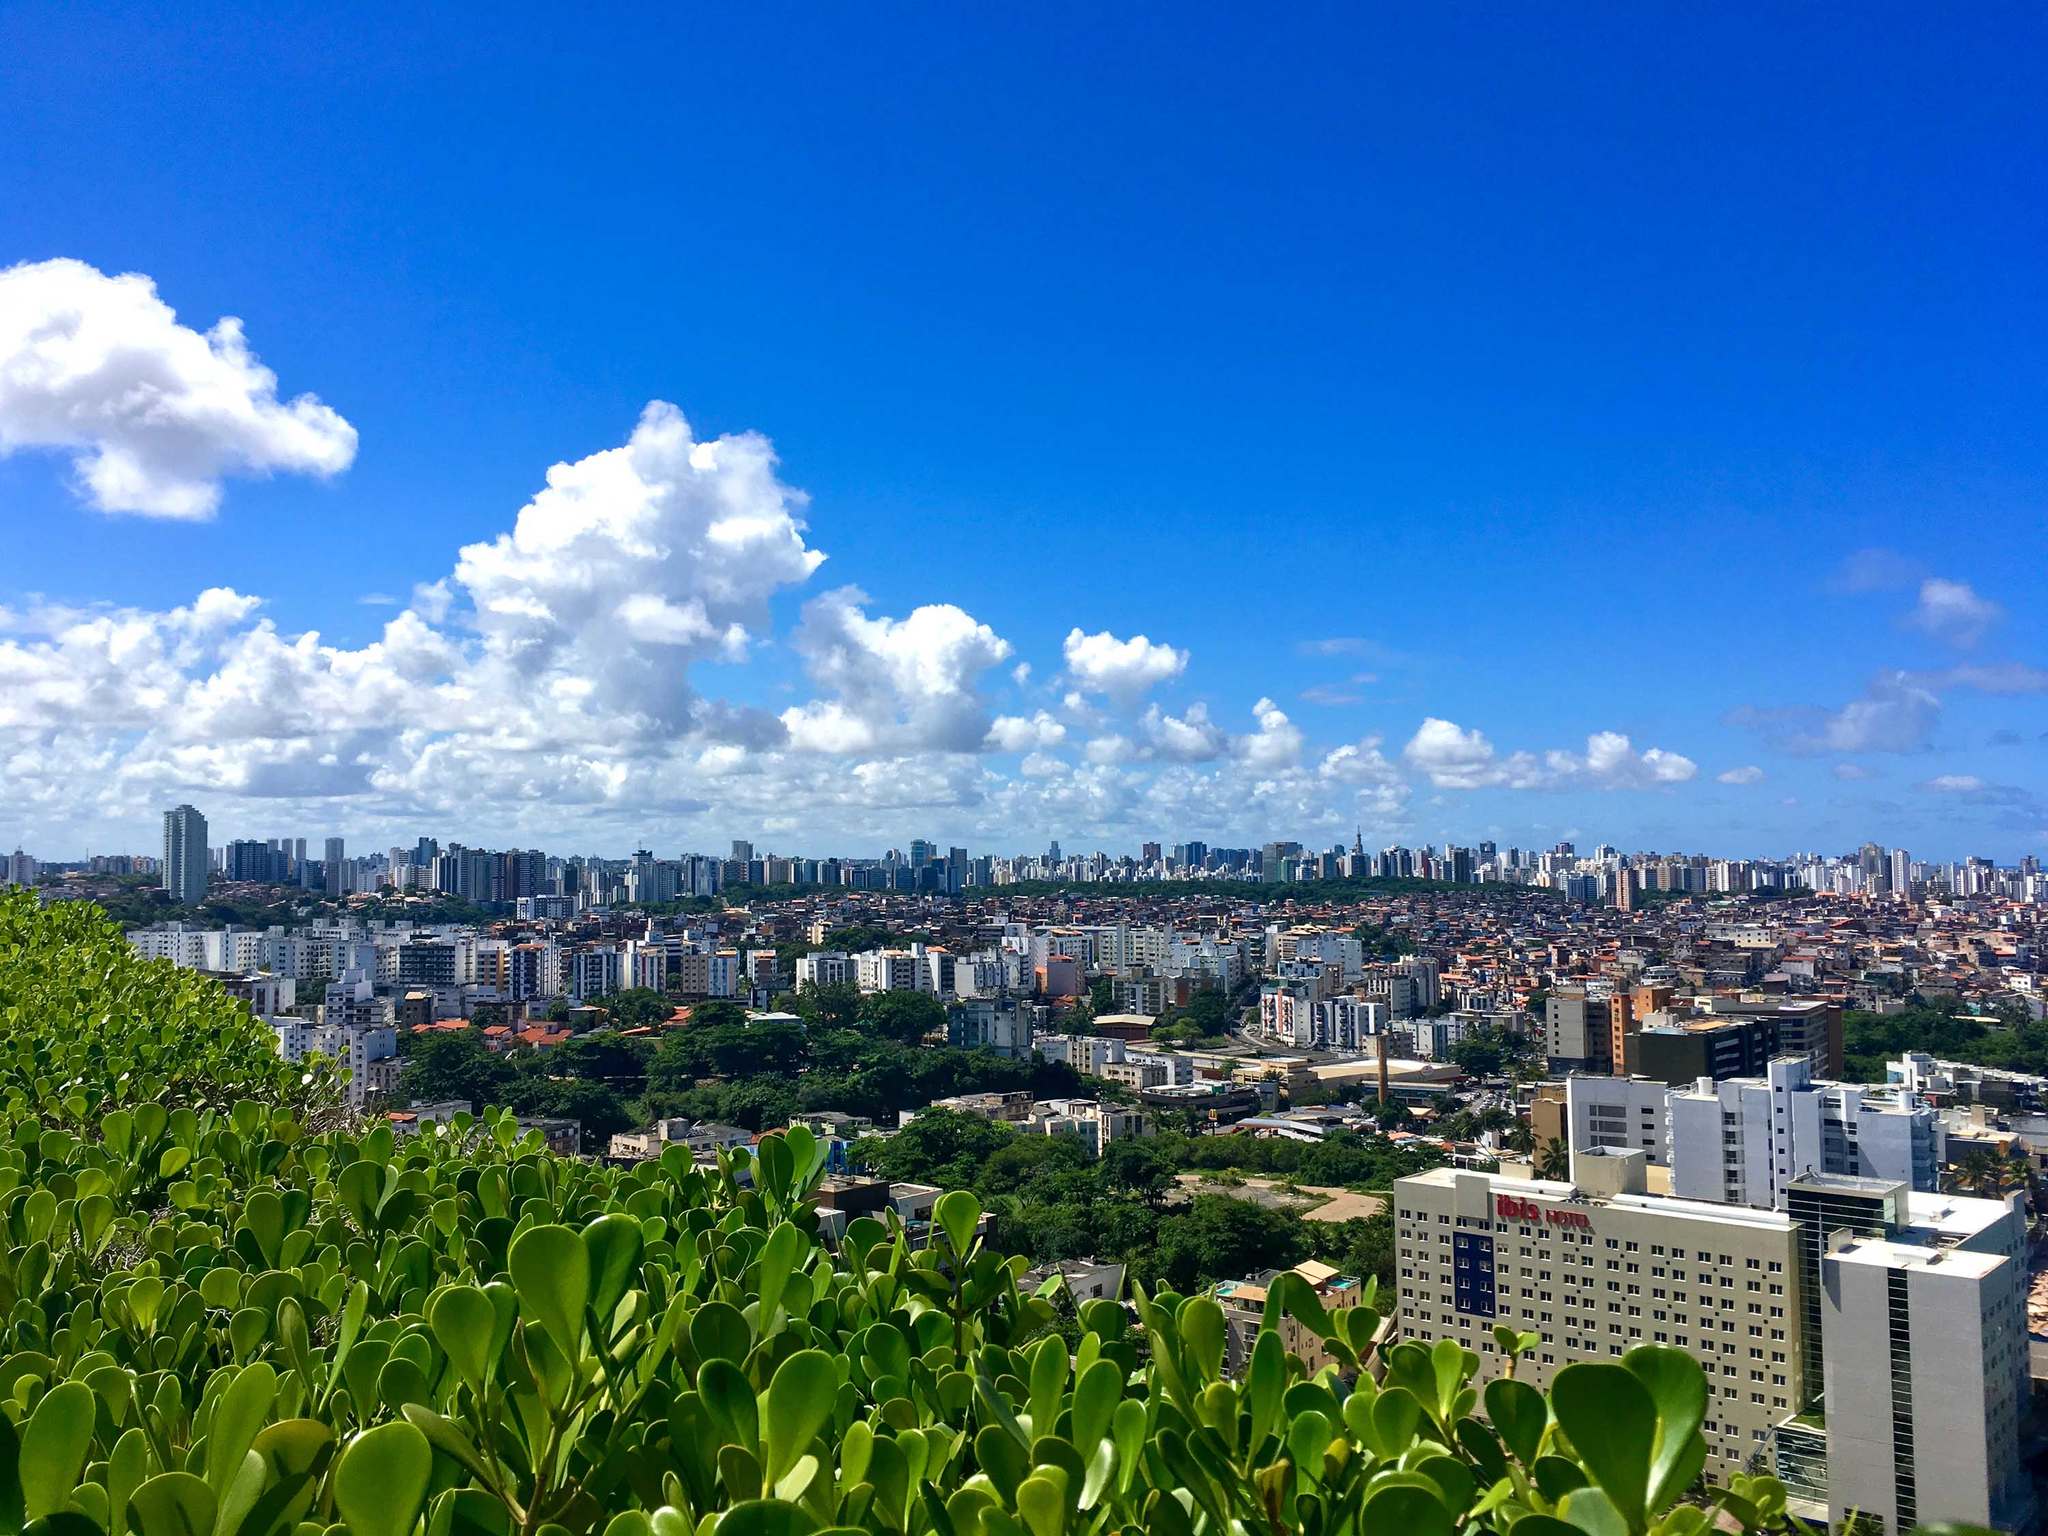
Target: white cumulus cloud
{"x":1191,"y":737}
{"x":1121,"y":669}
{"x":1749,"y":773}
{"x":909,"y":683}
{"x":1952,"y":612}
{"x":1022,"y":733}
{"x":1453,"y":757}
{"x":1275,"y":744}
{"x":153,"y":413}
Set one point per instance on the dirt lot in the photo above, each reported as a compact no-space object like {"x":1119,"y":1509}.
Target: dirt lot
{"x":1313,"y":1202}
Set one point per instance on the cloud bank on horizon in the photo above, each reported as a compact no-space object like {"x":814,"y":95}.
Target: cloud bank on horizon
{"x":547,"y":680}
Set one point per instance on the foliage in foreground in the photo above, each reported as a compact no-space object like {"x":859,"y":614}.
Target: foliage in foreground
{"x":217,"y":1321}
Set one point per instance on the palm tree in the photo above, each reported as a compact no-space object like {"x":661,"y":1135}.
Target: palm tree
{"x":2020,"y":1174}
{"x":1494,"y":1119}
{"x":1553,"y":1160}
{"x":1978,"y":1170}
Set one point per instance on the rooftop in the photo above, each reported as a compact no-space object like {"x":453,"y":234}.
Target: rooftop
{"x":1563,"y":1192}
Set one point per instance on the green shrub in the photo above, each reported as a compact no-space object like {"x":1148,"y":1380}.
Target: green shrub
{"x":218,"y":1319}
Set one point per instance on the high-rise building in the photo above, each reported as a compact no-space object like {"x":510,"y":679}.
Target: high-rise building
{"x":1748,"y":1139}
{"x":185,"y":857}
{"x":1475,"y":1249}
{"x":331,"y":867}
{"x":250,"y":859}
{"x":742,"y":851}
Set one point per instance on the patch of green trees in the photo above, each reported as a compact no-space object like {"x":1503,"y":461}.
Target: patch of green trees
{"x":2014,"y":1042}
{"x":858,"y":1055}
{"x":1050,"y":1201}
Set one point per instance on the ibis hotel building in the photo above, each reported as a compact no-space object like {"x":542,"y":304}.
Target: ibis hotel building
{"x":1866,"y":1342}
{"x":1600,"y":1267}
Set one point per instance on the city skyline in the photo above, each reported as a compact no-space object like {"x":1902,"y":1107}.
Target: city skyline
{"x":1655,"y":463}
{"x":1872,"y":866}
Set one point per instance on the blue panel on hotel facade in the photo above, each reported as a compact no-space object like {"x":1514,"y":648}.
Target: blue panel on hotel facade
{"x":1472,"y":1273}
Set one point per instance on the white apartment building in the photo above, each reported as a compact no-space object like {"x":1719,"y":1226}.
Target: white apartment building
{"x":533,"y":970}
{"x":351,"y":1002}
{"x":1925,"y":1351}
{"x":825,"y":968}
{"x":186,"y":860}
{"x":1745,"y":1139}
{"x":1328,"y":946}
{"x":891,"y":970}
{"x":646,"y":965}
{"x":1348,"y":1023}
{"x":1208,"y":961}
{"x":1624,"y":1112}
{"x":595,"y":970}
{"x":1095,"y":1123}
{"x":1396,"y":991}
{"x":370,"y":1053}
{"x":1090,"y":1054}
{"x":177,"y":943}
{"x":1427,"y":977}
{"x":982,"y":975}
{"x":698,"y":973}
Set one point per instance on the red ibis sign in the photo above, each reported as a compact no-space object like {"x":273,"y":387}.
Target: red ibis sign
{"x":1528,"y":1210}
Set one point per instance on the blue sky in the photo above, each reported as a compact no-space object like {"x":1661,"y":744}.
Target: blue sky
{"x":1567,"y":368}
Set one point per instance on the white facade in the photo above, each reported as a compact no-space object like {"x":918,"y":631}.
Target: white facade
{"x":826,"y":968}
{"x":186,"y":861}
{"x":1095,"y":1123}
{"x":891,"y":970}
{"x":1628,"y":1112}
{"x":1744,"y":1139}
{"x":594,"y":971}
{"x":1926,"y":1367}
{"x":370,"y":1053}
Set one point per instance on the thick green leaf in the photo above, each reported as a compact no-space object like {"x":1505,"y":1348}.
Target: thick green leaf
{"x":464,"y":1324}
{"x":1403,"y":1508}
{"x":551,"y":1269}
{"x":799,"y":1404}
{"x":236,"y":1418}
{"x":1201,"y":1326}
{"x":957,"y":1214}
{"x":380,"y":1482}
{"x":719,"y":1331}
{"x":1608,"y":1415}
{"x":766,"y":1517}
{"x":1593,"y":1513}
{"x":54,"y":1443}
{"x":613,"y":1243}
{"x":1096,"y":1393}
{"x":731,"y":1404}
{"x":1520,"y":1413}
{"x":173,"y":1504}
{"x":1678,"y":1387}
